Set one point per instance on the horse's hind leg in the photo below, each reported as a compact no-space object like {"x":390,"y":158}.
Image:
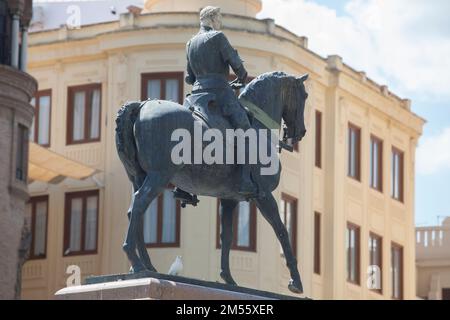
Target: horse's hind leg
{"x":226,"y":236}
{"x":142,"y":249}
{"x":148,"y":191}
{"x":269,"y":209}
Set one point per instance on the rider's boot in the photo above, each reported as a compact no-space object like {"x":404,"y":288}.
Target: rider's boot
{"x":247,"y":187}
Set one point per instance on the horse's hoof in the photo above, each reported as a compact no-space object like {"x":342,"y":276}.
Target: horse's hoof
{"x":295,"y":287}
{"x":226,"y":276}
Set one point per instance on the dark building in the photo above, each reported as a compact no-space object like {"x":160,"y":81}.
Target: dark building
{"x":16,"y":114}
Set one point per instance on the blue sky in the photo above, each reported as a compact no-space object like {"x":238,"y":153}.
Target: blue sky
{"x":404,"y":44}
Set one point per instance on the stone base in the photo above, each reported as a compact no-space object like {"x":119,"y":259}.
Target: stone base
{"x":160,"y":287}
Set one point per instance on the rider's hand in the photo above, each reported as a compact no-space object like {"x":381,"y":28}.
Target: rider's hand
{"x":243,"y":78}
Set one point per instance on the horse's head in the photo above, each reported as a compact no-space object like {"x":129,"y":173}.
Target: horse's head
{"x":280,"y":95}
{"x":294,"y":99}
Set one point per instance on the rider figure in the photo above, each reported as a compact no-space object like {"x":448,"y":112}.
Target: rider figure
{"x":209,"y":56}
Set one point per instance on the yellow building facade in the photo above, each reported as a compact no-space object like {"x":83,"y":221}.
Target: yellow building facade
{"x":358,"y":189}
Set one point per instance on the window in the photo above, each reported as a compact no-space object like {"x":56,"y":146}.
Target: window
{"x":162,"y":221}
{"x":376,"y":164}
{"x":5,"y":34}
{"x":446,"y":294}
{"x":40,"y":129}
{"x":297,"y":147}
{"x":397,"y":271}
{"x":84,"y":114}
{"x":375,"y":259}
{"x":164,"y":86}
{"x":244,"y":227}
{"x":397,"y":174}
{"x":317,"y":242}
{"x":39,"y":217}
{"x":81,"y":223}
{"x":288,"y":212}
{"x":353,"y":253}
{"x":354,"y":152}
{"x":318,"y":153}
{"x":22,"y":153}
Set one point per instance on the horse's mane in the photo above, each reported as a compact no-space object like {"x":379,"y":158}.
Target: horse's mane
{"x":264,"y":83}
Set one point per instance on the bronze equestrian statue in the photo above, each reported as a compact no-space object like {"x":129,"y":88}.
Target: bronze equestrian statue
{"x":144,"y":143}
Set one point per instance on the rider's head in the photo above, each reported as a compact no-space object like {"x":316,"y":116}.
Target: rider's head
{"x":211,"y":17}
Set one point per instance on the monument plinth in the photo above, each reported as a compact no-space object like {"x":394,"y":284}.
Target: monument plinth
{"x":155,"y":286}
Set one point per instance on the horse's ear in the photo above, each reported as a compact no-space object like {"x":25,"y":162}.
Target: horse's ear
{"x":303,"y":78}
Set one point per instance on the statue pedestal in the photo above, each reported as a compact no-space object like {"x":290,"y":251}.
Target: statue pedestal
{"x":154,"y":286}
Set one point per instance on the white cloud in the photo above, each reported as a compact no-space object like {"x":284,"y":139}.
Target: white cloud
{"x":402,"y":43}
{"x":433,"y":154}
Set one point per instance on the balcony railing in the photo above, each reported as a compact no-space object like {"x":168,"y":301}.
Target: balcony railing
{"x":433,"y":242}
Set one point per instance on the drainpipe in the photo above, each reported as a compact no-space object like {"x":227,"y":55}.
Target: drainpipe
{"x":24,"y":50}
{"x":15,"y":41}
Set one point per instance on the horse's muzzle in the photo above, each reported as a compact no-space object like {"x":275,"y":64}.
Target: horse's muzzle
{"x":300,"y":136}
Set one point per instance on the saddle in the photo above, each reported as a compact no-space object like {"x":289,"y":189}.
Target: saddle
{"x":204,"y":106}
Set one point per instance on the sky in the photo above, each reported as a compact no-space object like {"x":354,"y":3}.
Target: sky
{"x":404,"y":44}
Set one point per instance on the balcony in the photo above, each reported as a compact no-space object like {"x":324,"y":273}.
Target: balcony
{"x":433,"y":243}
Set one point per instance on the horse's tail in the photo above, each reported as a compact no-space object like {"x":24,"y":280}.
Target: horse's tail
{"x":125,"y":142}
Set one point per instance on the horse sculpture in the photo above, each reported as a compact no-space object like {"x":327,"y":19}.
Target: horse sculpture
{"x":144,"y":144}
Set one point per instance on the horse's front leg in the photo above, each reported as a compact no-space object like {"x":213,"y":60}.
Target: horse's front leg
{"x":269,"y":209}
{"x":226,"y":236}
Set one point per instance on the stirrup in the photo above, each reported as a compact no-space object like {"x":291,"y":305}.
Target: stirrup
{"x":185,"y":197}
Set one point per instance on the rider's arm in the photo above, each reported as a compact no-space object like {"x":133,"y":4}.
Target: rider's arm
{"x":230,"y":55}
{"x":190,"y":76}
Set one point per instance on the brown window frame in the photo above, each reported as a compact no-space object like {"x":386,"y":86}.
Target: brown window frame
{"x":37,"y":96}
{"x":163,"y":77}
{"x":318,"y":140}
{"x":159,"y":223}
{"x":357,"y":130}
{"x":401,"y":177}
{"x":446,"y":294}
{"x":288,"y":198}
{"x":88,"y":88}
{"x":32,"y":202}
{"x":21,"y":154}
{"x":379,"y":239}
{"x":357,"y":230}
{"x":69,"y":196}
{"x":396,"y":246}
{"x":252,"y":229}
{"x":317,"y":242}
{"x":375,"y":140}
